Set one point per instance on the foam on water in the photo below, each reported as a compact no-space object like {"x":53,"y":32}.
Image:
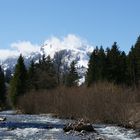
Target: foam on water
{"x":117,"y":133}
{"x":36,"y":127}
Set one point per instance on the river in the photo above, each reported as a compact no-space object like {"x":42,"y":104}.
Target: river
{"x":45,"y":127}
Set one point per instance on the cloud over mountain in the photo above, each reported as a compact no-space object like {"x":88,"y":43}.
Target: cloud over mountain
{"x":69,"y":42}
{"x":17,"y":48}
{"x":51,"y":45}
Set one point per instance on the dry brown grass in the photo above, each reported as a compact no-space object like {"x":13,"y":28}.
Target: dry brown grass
{"x":102,"y":102}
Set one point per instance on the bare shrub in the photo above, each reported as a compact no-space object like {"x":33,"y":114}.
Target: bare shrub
{"x":102,"y":102}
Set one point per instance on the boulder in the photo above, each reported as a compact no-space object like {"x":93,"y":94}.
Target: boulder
{"x":86,"y":127}
{"x":2,"y":119}
{"x":79,"y":126}
{"x":128,"y":125}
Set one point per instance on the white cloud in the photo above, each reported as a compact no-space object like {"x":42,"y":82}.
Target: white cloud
{"x":70,"y":42}
{"x":7,"y":53}
{"x":25,"y":47}
{"x":17,"y":48}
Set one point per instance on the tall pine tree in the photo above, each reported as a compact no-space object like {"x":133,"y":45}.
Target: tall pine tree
{"x":96,"y":66}
{"x":92,"y":65}
{"x":46,"y":73}
{"x":2,"y":88}
{"x":113,"y":64}
{"x":137,"y":58}
{"x":122,"y":77}
{"x":134,"y":64}
{"x":32,"y":77}
{"x":72,"y":76}
{"x":18,"y":84}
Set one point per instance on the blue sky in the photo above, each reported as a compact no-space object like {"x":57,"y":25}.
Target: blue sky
{"x":101,"y":22}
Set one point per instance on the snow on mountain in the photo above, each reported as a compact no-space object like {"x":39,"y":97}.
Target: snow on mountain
{"x":10,"y":62}
{"x":72,"y":46}
{"x":76,"y":48}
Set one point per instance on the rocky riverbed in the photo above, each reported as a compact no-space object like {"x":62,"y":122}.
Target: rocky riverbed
{"x":36,"y":127}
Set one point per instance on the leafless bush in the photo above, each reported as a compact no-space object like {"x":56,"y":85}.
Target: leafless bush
{"x":102,"y":102}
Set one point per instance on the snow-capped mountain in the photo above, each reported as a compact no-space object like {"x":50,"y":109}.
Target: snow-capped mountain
{"x":69,"y":48}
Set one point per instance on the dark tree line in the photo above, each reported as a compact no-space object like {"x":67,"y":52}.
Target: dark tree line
{"x":39,"y":76}
{"x":115,"y":66}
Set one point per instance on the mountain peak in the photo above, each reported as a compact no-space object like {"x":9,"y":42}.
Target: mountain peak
{"x":75,"y":47}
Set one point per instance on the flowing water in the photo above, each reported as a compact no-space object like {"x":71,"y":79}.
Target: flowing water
{"x":35,"y":127}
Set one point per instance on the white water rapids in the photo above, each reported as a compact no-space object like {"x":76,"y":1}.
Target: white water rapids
{"x":35,"y":127}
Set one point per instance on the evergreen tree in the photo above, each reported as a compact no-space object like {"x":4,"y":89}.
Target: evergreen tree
{"x":32,"y":77}
{"x":18,"y":83}
{"x":131,"y":67}
{"x":96,"y":66}
{"x":137,"y":58}
{"x":72,"y":77}
{"x":46,"y":74}
{"x":2,"y":88}
{"x":91,"y":72}
{"x":110,"y":66}
{"x":134,"y":63}
{"x":101,"y":64}
{"x":8,"y":75}
{"x":113,"y":64}
{"x":122,"y":77}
